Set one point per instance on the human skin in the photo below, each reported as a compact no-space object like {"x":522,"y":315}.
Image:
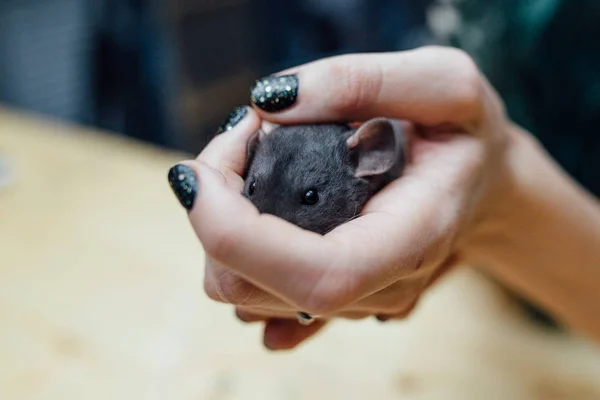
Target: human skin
{"x":476,"y":190}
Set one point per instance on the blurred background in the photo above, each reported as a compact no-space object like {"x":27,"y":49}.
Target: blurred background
{"x":169,"y":71}
{"x":100,"y":274}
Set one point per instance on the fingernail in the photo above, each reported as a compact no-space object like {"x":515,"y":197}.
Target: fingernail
{"x":275,"y":93}
{"x":382,"y":318}
{"x":182,"y":180}
{"x":233,"y":119}
{"x":304,"y":318}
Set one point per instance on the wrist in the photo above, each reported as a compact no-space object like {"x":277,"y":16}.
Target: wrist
{"x":533,"y":195}
{"x":541,"y":234}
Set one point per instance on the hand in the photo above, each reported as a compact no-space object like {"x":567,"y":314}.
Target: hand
{"x":410,"y":233}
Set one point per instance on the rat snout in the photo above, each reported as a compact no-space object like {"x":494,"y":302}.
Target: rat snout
{"x":279,"y":209}
{"x":278,"y":206}
{"x":265,"y":205}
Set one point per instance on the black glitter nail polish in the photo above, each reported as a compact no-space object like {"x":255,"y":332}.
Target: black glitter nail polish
{"x":182,"y":180}
{"x":304,"y":318}
{"x":275,"y":93}
{"x":233,"y":119}
{"x":304,"y":315}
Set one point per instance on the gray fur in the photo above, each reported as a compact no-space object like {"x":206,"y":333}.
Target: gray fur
{"x":293,"y":159}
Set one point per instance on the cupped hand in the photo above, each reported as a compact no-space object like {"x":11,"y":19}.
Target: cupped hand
{"x":409,"y":234}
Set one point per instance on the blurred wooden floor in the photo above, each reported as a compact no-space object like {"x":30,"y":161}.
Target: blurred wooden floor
{"x":101,"y":298}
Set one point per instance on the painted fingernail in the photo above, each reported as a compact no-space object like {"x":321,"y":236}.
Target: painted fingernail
{"x":233,"y":119}
{"x":182,"y":180}
{"x":304,"y":318}
{"x":275,"y":93}
{"x":382,"y":318}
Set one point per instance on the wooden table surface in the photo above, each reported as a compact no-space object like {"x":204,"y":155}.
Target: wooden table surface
{"x":101,"y":298}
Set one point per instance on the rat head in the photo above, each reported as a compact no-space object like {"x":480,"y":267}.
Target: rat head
{"x":319,"y":176}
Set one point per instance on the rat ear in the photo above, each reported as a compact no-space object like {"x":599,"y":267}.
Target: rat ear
{"x":252,"y":144}
{"x":375,"y":148}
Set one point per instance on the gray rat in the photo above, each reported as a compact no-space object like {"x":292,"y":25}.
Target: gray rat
{"x":320,"y":176}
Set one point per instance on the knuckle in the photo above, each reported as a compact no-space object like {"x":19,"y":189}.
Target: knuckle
{"x":233,"y":289}
{"x":211,"y":291}
{"x":454,"y":57}
{"x":209,"y":283}
{"x":469,"y":84}
{"x":462,"y":72}
{"x":357,"y":85}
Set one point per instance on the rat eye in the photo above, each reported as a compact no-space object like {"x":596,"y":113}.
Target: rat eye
{"x":252,"y":188}
{"x":310,"y":197}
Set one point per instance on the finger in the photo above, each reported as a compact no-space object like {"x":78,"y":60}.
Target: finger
{"x":394,"y":299}
{"x":224,"y":285}
{"x":285,"y":334}
{"x":429,"y":85}
{"x":445,"y":268}
{"x":234,"y":234}
{"x":267,"y":126}
{"x":400,"y":314}
{"x":254,"y":314}
{"x":247,"y":316}
{"x":314,"y":273}
{"x":226,"y":152}
{"x":398,"y":299}
{"x":397,"y":302}
{"x":409,"y":306}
